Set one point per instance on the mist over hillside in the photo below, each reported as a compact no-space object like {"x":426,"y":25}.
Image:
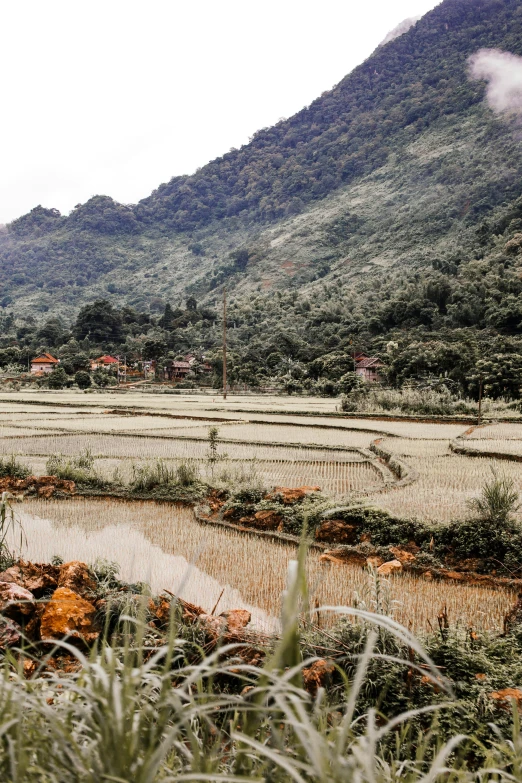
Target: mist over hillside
{"x":400,"y":29}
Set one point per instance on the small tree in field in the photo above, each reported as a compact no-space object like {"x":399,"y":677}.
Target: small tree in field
{"x":213,"y":456}
{"x":58,"y":378}
{"x":83,"y":379}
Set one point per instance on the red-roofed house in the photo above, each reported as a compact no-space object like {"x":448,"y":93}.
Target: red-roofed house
{"x":369,"y":369}
{"x":44,"y":363}
{"x":107,"y":362}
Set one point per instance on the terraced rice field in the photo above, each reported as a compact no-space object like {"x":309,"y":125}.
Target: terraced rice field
{"x":445,"y":483}
{"x":165,"y":546}
{"x":281,"y":448}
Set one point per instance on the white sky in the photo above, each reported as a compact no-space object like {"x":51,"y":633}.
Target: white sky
{"x":116,"y":96}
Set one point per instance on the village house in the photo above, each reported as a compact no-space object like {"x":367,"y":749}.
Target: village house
{"x":369,"y":368}
{"x":105,"y":362}
{"x":179,"y":370}
{"x":204,"y":365}
{"x":43,"y":364}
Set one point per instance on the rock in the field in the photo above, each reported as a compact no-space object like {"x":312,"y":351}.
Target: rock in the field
{"x":160,"y":608}
{"x":505,"y":697}
{"x":20,"y":484}
{"x":46,"y":480}
{"x":458,"y":577}
{"x":402,"y":555}
{"x":215,"y":626}
{"x":374,"y":562}
{"x":391,"y":567}
{"x":29,"y":668}
{"x":268,"y":520}
{"x":229,"y":623}
{"x":10,"y":633}
{"x":46,"y":491}
{"x":68,"y":615}
{"x":317,"y":675}
{"x":236,"y":619}
{"x":77,"y":577}
{"x":343,"y":555}
{"x":190,"y":611}
{"x":336,"y":531}
{"x":291,"y":495}
{"x":66,"y":486}
{"x":15,"y":600}
{"x":36,"y":577}
{"x":473,"y":564}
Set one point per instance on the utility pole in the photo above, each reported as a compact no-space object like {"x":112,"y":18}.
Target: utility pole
{"x":481,"y":386}
{"x":224,"y":343}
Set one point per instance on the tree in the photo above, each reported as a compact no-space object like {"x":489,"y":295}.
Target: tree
{"x":154,"y":348}
{"x":191,"y":303}
{"x":101,"y":377}
{"x":51,"y":332}
{"x":99,"y":322}
{"x":82,"y":379}
{"x":349,"y":382}
{"x":501,"y":375}
{"x":57,"y":379}
{"x":337,"y":364}
{"x":167,"y":319}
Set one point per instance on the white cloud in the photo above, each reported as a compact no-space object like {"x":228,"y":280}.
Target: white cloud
{"x":503,"y":72}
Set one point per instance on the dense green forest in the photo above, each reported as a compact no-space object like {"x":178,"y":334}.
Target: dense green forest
{"x":386,"y":217}
{"x":456,"y":321}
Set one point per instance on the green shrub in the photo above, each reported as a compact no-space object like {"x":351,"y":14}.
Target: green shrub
{"x":57,"y":379}
{"x":82,"y":379}
{"x":10,"y":466}
{"x":159,"y":474}
{"x":79,"y":469}
{"x":349,"y":382}
{"x":498,"y":501}
{"x":187,"y":473}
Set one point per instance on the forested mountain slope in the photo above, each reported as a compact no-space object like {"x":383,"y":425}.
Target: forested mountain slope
{"x":390,"y":174}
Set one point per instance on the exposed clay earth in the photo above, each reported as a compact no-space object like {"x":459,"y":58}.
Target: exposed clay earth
{"x":42,"y":605}
{"x":346,"y":540}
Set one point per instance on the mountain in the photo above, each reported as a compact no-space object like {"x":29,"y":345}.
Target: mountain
{"x":398,"y":176}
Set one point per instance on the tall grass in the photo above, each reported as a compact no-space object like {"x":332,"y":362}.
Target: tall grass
{"x":498,"y":500}
{"x":150,"y":710}
{"x":12,"y":467}
{"x":145,"y":712}
{"x":149,"y":476}
{"x":413,"y":401}
{"x":12,"y":535}
{"x":80,"y":468}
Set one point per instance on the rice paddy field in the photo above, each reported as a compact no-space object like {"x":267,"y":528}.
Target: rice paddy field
{"x":272,"y":441}
{"x":275,"y":441}
{"x":165,"y":546}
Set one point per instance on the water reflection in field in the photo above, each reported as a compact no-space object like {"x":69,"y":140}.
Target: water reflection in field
{"x":165,"y":546}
